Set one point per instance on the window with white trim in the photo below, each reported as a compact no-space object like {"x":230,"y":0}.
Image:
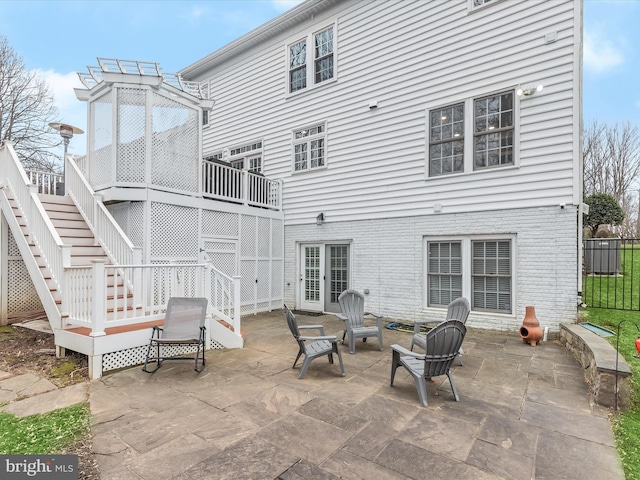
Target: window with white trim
{"x":446,"y":140}
{"x":493,"y":131}
{"x":316,"y":50}
{"x":479,"y":3}
{"x":480,"y":269}
{"x":309,"y":148}
{"x":476,"y":134}
{"x":444,"y":267}
{"x":247,"y":156}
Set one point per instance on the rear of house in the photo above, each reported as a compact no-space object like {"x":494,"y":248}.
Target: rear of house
{"x":421,"y":160}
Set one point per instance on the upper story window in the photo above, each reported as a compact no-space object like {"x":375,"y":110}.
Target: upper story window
{"x":309,"y":148}
{"x":316,"y":50}
{"x":479,"y":3}
{"x":446,"y":140}
{"x":244,"y":157}
{"x":476,"y":134}
{"x":493,"y":131}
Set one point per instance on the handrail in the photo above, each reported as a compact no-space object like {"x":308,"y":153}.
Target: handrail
{"x":106,"y":230}
{"x":45,"y":182}
{"x":99,"y":299}
{"x":42,"y":233}
{"x":227,"y":183}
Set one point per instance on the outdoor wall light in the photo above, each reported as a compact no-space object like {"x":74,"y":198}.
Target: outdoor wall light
{"x":320,"y":219}
{"x":529,"y":90}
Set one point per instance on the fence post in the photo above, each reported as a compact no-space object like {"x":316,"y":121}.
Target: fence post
{"x":99,"y":298}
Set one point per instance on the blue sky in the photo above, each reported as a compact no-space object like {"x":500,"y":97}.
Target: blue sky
{"x":61,"y":38}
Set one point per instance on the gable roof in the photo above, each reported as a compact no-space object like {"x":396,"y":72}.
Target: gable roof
{"x":281,"y":23}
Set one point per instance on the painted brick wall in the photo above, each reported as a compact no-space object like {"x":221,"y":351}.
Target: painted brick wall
{"x":388,"y":259}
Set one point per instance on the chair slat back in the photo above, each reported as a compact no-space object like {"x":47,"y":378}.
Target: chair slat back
{"x":293,"y":326}
{"x":352,"y":305}
{"x":184,"y":318}
{"x":443,"y":344}
{"x":459,"y":310}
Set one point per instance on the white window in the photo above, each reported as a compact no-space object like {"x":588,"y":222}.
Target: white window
{"x":476,"y":268}
{"x":473,"y":135}
{"x":493,"y":131}
{"x":479,"y":3}
{"x":446,"y":140}
{"x":247,"y":157}
{"x":311,"y":60}
{"x":309,"y":148}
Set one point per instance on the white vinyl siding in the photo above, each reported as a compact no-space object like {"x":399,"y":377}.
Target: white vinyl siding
{"x":411,"y":57}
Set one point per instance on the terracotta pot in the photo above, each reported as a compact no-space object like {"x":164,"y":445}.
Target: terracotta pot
{"x":530,"y":330}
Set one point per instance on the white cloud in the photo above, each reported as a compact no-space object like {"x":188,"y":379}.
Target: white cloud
{"x":600,"y":54}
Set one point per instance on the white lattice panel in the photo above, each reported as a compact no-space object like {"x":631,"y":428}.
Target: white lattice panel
{"x":277,"y":239}
{"x":248,"y":236}
{"x":276,"y":280}
{"x":13,"y":246}
{"x":23,"y":296}
{"x":131,"y":153}
{"x":174,"y":232}
{"x":219,"y":224}
{"x":136,"y":225}
{"x":247,"y":285}
{"x":264,"y":279}
{"x":222,"y":254}
{"x":264,"y":236}
{"x":137,"y":355}
{"x":101,"y":115}
{"x":174,"y":144}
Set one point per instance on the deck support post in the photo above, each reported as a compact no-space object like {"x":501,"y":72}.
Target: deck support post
{"x":99,"y":298}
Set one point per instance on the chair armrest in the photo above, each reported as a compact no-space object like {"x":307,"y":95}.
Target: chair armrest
{"x":331,"y":338}
{"x":377,"y":317}
{"x":408,"y":353}
{"x":308,"y":327}
{"x":342,"y":317}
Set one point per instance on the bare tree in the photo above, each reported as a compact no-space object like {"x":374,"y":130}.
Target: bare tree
{"x":26,"y":109}
{"x":611,"y":155}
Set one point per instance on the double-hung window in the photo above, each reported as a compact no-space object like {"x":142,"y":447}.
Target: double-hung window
{"x":311,"y":60}
{"x":489,"y":125}
{"x":446,"y":140}
{"x":493,"y":131}
{"x":477,"y":268}
{"x":309,"y":148}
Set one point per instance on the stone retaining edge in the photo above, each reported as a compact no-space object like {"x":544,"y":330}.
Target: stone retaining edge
{"x":598,"y":357}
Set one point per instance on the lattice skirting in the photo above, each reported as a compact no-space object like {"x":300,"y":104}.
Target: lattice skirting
{"x":136,"y":355}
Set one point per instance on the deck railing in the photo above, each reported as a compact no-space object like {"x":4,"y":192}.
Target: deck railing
{"x":100,"y":297}
{"x":45,"y":182}
{"x":224,"y":182}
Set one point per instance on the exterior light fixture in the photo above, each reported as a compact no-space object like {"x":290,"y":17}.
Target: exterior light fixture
{"x":320,"y":219}
{"x":66,"y":132}
{"x":527,"y":92}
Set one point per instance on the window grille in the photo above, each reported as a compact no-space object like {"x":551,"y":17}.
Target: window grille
{"x":444,"y":266}
{"x":493,"y":130}
{"x":446,"y":140}
{"x":491,"y":275}
{"x":309,"y":148}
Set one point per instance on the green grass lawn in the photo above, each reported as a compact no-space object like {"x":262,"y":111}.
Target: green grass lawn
{"x":43,"y":434}
{"x":626,"y":426}
{"x":620,"y":291}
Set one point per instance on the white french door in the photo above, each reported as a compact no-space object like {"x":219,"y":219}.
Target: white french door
{"x":324,"y":275}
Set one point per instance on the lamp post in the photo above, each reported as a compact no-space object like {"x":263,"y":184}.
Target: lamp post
{"x":66,"y":132}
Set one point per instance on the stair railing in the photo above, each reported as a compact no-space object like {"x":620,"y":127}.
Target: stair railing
{"x":106,"y":230}
{"x":55,"y":255}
